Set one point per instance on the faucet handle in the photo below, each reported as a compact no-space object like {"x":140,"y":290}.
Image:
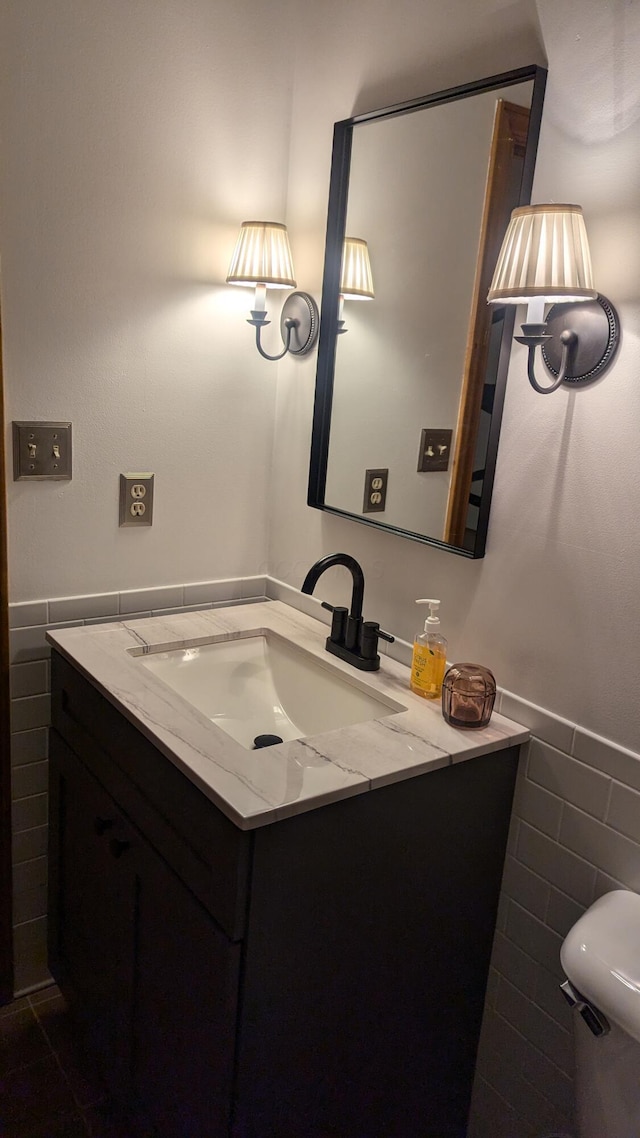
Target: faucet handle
{"x":373,"y":629}
{"x":338,"y":623}
{"x":371,"y":633}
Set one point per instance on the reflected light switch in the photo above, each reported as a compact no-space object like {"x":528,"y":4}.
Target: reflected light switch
{"x":435,"y":449}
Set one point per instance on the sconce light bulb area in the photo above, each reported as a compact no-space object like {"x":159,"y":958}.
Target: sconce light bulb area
{"x":262,"y":259}
{"x":260,"y":298}
{"x":545,"y":259}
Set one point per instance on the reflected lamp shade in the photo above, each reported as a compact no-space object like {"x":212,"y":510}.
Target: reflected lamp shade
{"x":356,"y":281}
{"x":545,"y":254}
{"x":262,"y":256}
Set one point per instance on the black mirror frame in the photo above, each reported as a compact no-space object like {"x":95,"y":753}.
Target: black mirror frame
{"x":336,"y":220}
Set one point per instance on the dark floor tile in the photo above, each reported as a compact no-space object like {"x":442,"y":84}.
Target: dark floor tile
{"x":52,"y":1008}
{"x":48,"y":993}
{"x":83,"y":1077}
{"x":33,"y":1097}
{"x":73,"y":1126}
{"x":22,"y":1041}
{"x":14,"y":1006}
{"x":65,"y":1040}
{"x":109,"y":1120}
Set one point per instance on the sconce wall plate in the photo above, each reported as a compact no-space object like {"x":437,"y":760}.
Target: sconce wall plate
{"x":301,"y":309}
{"x":597,"y":327}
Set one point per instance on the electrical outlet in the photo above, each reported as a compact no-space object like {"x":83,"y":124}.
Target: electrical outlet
{"x":41,"y":451}
{"x":136,"y":499}
{"x":375,"y":491}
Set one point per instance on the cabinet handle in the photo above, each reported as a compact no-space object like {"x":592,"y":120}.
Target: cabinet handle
{"x":101,"y":825}
{"x":118,"y":847}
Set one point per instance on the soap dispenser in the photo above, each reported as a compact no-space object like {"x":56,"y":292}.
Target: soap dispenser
{"x":429,"y":655}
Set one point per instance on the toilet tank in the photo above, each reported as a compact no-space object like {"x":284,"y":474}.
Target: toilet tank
{"x":601,"y":957}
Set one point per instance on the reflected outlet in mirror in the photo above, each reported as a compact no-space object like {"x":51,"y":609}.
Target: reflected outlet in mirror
{"x":262,"y":684}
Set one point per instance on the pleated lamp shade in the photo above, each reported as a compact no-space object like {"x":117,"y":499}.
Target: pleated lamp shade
{"x":356,"y":281}
{"x":262,"y":256}
{"x":545,"y":253}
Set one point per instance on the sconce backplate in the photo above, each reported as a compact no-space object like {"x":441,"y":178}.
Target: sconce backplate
{"x":303,"y":310}
{"x":597,"y":327}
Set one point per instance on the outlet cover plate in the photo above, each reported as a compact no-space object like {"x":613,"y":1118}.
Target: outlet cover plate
{"x":375,"y":491}
{"x":41,"y":451}
{"x":136,"y":499}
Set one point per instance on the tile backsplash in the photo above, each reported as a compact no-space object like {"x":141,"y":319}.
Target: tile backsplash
{"x":575,"y":834}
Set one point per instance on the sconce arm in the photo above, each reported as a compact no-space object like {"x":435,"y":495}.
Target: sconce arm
{"x":299,"y":322}
{"x":534,"y":336}
{"x":259,"y":321}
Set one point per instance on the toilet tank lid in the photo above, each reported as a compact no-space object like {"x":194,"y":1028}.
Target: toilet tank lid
{"x":601,"y":957}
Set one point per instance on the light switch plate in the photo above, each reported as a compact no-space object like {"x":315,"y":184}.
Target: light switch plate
{"x":435,"y":449}
{"x":41,"y":451}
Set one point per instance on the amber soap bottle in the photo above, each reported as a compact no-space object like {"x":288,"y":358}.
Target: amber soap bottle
{"x":429,"y":655}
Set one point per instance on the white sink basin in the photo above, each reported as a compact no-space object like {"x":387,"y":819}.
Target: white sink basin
{"x":259,"y":683}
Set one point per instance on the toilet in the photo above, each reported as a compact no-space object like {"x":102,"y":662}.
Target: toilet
{"x":601,"y":959}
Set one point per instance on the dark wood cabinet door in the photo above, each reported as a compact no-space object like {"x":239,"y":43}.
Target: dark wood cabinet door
{"x":93,"y":908}
{"x":186,"y":985}
{"x":148,"y":972}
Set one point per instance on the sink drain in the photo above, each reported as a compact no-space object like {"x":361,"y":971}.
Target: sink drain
{"x":265,"y":741}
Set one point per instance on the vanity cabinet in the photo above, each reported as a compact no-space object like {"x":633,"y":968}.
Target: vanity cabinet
{"x":152,"y":977}
{"x":321,"y":975}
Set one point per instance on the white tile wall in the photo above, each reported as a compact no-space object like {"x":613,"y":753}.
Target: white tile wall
{"x":575,"y":834}
{"x":84,"y":608}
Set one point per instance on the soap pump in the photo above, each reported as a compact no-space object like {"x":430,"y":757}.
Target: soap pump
{"x":429,"y":655}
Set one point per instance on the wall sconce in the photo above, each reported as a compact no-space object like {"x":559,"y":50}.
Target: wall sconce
{"x":545,"y":259}
{"x":262,"y":258}
{"x":356,"y":281}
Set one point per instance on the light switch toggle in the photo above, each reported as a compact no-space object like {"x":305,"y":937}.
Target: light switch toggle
{"x":33,"y":450}
{"x":56,"y":450}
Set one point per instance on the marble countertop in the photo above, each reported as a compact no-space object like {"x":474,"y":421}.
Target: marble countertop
{"x":254,"y":788}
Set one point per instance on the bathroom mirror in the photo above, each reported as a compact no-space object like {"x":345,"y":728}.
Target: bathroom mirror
{"x":410,"y":383}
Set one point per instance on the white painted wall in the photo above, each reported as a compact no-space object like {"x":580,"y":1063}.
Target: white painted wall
{"x":553,"y":607}
{"x":136,"y":138}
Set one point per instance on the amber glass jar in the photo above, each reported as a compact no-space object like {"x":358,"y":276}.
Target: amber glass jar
{"x":468,"y":695}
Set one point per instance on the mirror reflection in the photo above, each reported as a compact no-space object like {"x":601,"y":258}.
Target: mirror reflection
{"x":409,"y":378}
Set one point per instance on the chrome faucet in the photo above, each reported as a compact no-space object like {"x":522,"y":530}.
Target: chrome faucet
{"x":352,"y":638}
